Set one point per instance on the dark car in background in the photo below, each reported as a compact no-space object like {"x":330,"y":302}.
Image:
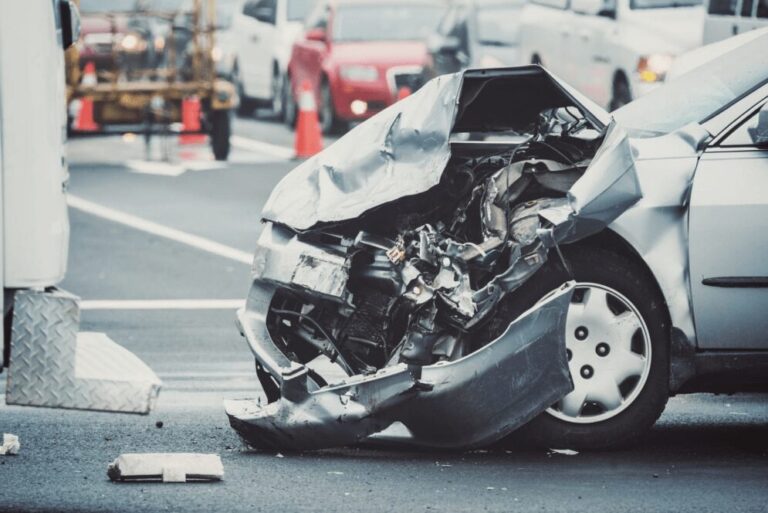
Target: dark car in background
{"x":476,"y":34}
{"x":358,"y":55}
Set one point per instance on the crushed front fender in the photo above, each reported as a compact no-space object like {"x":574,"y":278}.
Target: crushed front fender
{"x":472,"y":401}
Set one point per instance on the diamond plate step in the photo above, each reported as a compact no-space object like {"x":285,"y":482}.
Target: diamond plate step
{"x":52,"y":365}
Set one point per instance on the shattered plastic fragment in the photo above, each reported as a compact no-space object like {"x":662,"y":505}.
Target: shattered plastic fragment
{"x":10,"y":445}
{"x":564,"y":452}
{"x":166,"y":467}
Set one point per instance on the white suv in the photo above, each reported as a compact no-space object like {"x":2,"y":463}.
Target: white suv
{"x":262,"y":34}
{"x":611,"y":50}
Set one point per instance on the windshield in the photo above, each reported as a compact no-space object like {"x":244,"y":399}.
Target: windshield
{"x":663,"y":4}
{"x":699,"y":94}
{"x":299,"y":9}
{"x":87,"y":6}
{"x":498,"y":25}
{"x":403,"y":22}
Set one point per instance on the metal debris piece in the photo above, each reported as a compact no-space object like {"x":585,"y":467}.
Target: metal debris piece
{"x":10,"y":445}
{"x":166,"y":467}
{"x":564,"y":452}
{"x":55,"y":366}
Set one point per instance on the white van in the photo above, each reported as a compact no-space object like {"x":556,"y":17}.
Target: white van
{"x":611,"y":50}
{"x":726,"y":18}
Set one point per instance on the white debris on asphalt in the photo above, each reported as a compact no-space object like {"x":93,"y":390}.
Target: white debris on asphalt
{"x":166,"y":467}
{"x":564,"y":452}
{"x":10,"y":445}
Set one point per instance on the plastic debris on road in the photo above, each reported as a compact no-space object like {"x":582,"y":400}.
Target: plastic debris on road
{"x":564,"y":452}
{"x":10,"y":445}
{"x":166,"y":467}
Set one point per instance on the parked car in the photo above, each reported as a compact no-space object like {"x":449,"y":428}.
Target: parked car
{"x":476,"y":34}
{"x":611,"y":50}
{"x":356,"y":55}
{"x":573,"y":276}
{"x":726,"y":18}
{"x":107,"y":40}
{"x":262,"y":34}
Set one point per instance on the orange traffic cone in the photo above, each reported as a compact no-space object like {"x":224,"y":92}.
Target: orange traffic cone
{"x":85,"y":121}
{"x":403,"y":92}
{"x":309,"y":139}
{"x":190,"y":121}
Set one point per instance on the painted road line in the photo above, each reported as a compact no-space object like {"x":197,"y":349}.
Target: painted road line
{"x":274,"y":150}
{"x":148,"y":167}
{"x":159,"y":230}
{"x":161,"y":304}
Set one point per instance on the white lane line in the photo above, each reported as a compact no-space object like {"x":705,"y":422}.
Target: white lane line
{"x":159,"y":230}
{"x":246,"y":143}
{"x":148,"y":167}
{"x":161,"y":304}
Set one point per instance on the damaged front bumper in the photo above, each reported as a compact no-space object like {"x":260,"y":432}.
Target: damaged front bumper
{"x":469,"y":402}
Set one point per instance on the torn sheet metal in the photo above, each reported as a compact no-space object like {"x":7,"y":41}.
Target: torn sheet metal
{"x":11,"y":445}
{"x":54,"y":366}
{"x":404,"y":149}
{"x":499,"y":387}
{"x":166,"y":467}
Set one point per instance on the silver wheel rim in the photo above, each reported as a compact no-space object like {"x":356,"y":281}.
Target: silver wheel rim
{"x":609,"y":350}
{"x":277,"y":94}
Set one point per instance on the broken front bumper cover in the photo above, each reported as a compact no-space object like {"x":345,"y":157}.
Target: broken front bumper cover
{"x":470,"y":402}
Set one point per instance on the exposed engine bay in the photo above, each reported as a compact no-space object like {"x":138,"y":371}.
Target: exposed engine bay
{"x":393,"y":272}
{"x":427,"y":273}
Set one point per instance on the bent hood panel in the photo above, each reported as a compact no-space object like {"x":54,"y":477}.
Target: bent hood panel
{"x":404,"y":149}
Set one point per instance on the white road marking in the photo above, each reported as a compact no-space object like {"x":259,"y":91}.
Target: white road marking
{"x":159,"y":230}
{"x":246,"y":143}
{"x":148,"y":167}
{"x":161,"y":304}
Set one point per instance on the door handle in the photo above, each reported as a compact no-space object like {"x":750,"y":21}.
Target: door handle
{"x":735,"y":29}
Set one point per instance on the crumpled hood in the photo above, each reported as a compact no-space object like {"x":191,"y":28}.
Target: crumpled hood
{"x":404,"y":149}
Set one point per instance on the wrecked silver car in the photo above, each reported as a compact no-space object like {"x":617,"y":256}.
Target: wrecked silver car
{"x":492,"y":250}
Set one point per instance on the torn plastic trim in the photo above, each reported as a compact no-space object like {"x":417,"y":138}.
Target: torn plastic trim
{"x":472,"y":401}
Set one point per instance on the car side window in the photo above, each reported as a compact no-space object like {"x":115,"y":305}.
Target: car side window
{"x":752,"y":132}
{"x":746,"y":8}
{"x":723,"y":7}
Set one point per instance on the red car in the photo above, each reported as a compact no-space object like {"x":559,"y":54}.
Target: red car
{"x":357,"y":56}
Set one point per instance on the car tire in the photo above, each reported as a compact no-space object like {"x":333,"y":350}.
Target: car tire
{"x":621,"y":94}
{"x":290,"y":108}
{"x":247,"y":105}
{"x":221,"y":128}
{"x":626,"y":284}
{"x":329,"y":123}
{"x":277,"y":94}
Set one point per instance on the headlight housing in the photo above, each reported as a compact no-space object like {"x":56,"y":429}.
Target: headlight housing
{"x":132,"y":42}
{"x":654,"y":67}
{"x":359,"y":73}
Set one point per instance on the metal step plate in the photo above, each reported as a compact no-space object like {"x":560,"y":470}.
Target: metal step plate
{"x":52,"y":365}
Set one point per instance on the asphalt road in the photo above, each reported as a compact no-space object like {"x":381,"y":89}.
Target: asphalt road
{"x":707,"y":453}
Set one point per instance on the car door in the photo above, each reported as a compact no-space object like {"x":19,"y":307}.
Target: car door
{"x":257,"y":35}
{"x":728,"y":241}
{"x":590,"y":52}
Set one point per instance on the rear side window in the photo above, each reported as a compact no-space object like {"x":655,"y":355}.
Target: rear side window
{"x":746,"y":8}
{"x":557,"y":4}
{"x":723,"y":7}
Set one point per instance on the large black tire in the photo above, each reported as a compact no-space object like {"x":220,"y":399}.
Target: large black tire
{"x":278,"y":105}
{"x":290,"y":108}
{"x":628,"y":277}
{"x":621,"y":94}
{"x":329,"y":122}
{"x":221,"y":128}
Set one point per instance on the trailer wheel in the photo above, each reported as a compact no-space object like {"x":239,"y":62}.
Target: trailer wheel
{"x":221,"y":121}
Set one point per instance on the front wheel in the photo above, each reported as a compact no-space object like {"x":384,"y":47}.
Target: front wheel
{"x":221,"y":127}
{"x":621,"y":94}
{"x":617,"y":342}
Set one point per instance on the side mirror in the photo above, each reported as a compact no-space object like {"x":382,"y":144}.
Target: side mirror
{"x":588,"y":7}
{"x":445,"y":45}
{"x":266,"y":15}
{"x":70,"y":23}
{"x":316,"y":34}
{"x":759,"y":134}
